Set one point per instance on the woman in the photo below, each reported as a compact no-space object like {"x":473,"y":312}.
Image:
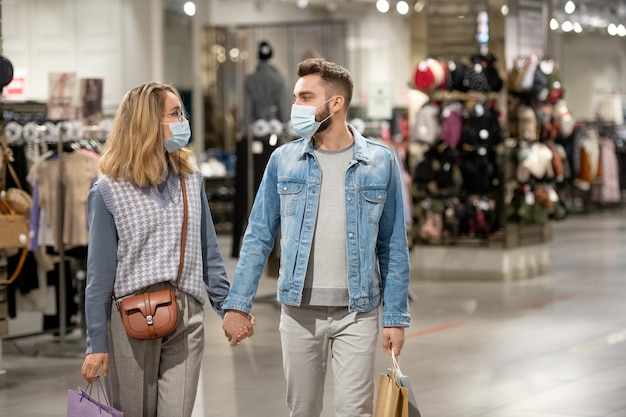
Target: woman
{"x":136,"y":212}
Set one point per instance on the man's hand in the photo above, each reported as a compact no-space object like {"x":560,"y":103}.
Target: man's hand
{"x":92,"y":363}
{"x":237,"y":326}
{"x":393,"y":337}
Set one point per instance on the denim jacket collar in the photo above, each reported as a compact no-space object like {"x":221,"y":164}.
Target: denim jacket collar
{"x":360,"y":148}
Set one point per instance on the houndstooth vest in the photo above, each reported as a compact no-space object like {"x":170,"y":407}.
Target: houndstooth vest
{"x":149,"y":227}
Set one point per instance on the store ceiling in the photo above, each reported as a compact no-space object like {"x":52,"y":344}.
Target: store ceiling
{"x":590,"y":13}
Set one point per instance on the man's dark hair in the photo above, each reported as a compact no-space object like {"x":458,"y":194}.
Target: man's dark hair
{"x":335,"y":75}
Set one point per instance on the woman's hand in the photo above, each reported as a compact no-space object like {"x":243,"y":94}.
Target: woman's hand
{"x":237,"y":326}
{"x":91,"y":364}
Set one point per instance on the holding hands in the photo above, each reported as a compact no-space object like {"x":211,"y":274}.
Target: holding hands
{"x":237,"y":326}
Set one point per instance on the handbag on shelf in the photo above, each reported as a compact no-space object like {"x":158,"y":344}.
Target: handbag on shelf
{"x":81,"y":403}
{"x":15,"y":204}
{"x":13,"y":225}
{"x":14,"y":237}
{"x":154,"y":314}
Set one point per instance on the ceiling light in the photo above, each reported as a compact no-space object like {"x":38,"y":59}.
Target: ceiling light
{"x":612,"y":29}
{"x":570,"y":7}
{"x":382,"y":6}
{"x":504,"y":10}
{"x":190,"y":8}
{"x":621,"y":30}
{"x":302,"y":3}
{"x":402,"y":7}
{"x":577,"y":27}
{"x":554,"y":25}
{"x":567,"y":26}
{"x":419,"y":6}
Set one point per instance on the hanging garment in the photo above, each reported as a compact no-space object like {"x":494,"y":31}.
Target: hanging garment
{"x":80,"y":171}
{"x":607,"y":191}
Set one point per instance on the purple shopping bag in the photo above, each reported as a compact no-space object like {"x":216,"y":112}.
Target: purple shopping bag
{"x":80,"y":403}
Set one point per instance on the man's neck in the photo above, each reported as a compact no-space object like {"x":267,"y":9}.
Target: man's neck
{"x":334,"y":139}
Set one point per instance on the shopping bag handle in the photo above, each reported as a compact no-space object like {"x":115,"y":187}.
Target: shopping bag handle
{"x":99,"y":388}
{"x":397,"y":372}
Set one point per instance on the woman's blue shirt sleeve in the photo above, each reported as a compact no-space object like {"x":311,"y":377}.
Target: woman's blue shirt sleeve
{"x":101,"y":267}
{"x":214,"y":272}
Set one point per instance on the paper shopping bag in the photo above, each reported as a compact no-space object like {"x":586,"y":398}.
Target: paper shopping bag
{"x":405,"y":382}
{"x":80,"y":403}
{"x":391,"y":398}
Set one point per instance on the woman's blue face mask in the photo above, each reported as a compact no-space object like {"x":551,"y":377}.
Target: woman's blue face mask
{"x":181,"y":133}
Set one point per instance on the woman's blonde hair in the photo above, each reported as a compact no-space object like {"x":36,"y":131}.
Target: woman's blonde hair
{"x":134,"y":150}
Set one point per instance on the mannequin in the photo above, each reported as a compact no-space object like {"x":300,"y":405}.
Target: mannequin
{"x":265,"y":99}
{"x":264,"y":90}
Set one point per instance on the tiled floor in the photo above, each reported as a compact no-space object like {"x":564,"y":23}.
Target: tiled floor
{"x":550,"y":346}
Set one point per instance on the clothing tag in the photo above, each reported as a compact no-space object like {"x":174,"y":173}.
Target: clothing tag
{"x":529,"y":199}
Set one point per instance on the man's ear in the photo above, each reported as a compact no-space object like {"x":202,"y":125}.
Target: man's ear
{"x":337,"y":103}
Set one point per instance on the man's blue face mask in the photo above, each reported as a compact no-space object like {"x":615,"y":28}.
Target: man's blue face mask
{"x":303,"y":119}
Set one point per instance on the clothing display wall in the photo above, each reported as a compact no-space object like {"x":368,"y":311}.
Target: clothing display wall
{"x":57,"y":163}
{"x":457,"y":177}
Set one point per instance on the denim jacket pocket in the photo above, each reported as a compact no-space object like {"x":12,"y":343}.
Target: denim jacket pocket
{"x":289,"y":192}
{"x":374,"y":203}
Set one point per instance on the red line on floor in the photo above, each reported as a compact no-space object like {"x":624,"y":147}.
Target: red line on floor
{"x":435,"y":329}
{"x":541,"y":304}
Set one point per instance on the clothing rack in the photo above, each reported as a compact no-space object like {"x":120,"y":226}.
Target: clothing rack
{"x":60,"y":138}
{"x":60,"y":223}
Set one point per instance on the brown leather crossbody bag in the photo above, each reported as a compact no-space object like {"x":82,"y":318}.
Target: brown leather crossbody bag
{"x":154,"y":314}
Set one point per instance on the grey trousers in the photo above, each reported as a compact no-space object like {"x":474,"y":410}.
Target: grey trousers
{"x":157,"y":378}
{"x":308,"y":335}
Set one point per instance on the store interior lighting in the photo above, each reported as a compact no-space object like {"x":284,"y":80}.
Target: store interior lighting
{"x":382,"y":6}
{"x":578,"y":16}
{"x":189,"y":8}
{"x":402,"y":7}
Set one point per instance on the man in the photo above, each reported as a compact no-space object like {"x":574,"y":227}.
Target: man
{"x":338,"y":202}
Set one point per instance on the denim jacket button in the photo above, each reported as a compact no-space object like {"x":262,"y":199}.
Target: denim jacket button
{"x":349,"y":199}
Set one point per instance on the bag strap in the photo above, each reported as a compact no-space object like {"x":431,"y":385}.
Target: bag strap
{"x":18,"y":268}
{"x":7,"y":155}
{"x":184,"y":234}
{"x":5,"y":207}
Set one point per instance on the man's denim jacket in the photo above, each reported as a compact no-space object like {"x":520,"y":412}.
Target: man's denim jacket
{"x":288,"y":196}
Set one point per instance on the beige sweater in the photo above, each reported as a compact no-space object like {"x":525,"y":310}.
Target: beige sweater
{"x":80,"y":171}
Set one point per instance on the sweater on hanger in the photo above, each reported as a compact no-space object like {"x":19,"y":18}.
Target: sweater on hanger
{"x":80,"y":170}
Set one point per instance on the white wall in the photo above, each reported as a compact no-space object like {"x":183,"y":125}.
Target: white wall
{"x":112,"y":39}
{"x":122,"y":41}
{"x":379,"y":46}
{"x":592,"y":66}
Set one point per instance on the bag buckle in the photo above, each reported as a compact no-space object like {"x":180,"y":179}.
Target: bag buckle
{"x":149,"y":320}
